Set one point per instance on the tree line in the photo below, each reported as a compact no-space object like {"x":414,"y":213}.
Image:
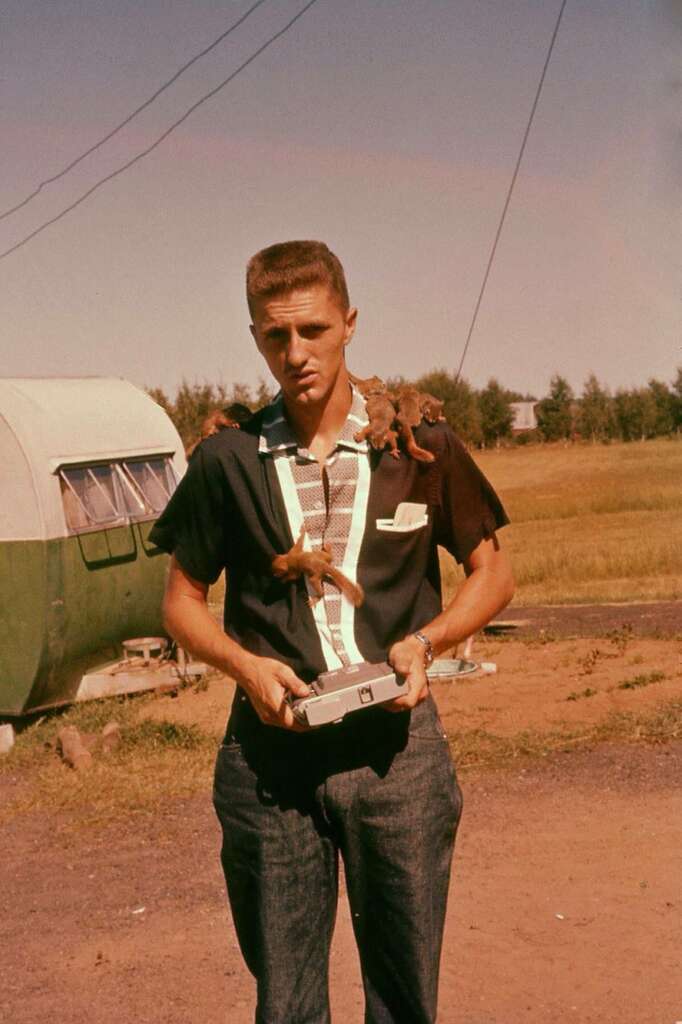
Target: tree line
{"x":484,"y":417}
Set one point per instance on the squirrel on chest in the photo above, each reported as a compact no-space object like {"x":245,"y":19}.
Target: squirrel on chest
{"x":392,"y":418}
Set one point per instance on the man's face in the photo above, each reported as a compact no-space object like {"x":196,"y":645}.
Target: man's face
{"x":302,"y":335}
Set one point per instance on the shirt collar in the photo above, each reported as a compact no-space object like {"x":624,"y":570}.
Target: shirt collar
{"x":276,"y":435}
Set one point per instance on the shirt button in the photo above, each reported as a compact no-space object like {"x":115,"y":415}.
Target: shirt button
{"x":318,"y":504}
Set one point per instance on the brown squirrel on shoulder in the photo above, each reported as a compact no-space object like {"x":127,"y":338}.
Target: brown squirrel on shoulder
{"x":220,"y":419}
{"x":404,"y":409}
{"x":316,"y":565}
{"x":431,"y":407}
{"x":381,"y":412}
{"x":409,"y":415}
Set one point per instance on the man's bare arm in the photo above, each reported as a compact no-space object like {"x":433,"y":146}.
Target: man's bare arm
{"x":188,"y":620}
{"x":487,"y":589}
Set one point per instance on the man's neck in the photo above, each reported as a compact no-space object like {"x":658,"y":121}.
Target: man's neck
{"x":317,"y":427}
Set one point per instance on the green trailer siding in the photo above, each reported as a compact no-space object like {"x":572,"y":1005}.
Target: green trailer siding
{"x":22,"y":618}
{"x":65,"y":606}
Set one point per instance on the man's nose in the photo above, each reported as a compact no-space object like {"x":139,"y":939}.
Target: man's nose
{"x":296,"y":350}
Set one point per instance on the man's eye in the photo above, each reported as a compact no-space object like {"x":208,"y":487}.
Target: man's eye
{"x":313,"y":330}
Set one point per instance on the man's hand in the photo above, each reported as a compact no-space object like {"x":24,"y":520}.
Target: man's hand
{"x":266,"y":680}
{"x":407,"y":658}
{"x":268,"y":683}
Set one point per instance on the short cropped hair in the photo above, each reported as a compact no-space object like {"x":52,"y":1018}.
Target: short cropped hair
{"x":286,"y":266}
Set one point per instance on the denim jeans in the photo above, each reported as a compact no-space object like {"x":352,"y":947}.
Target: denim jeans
{"x":379,"y":788}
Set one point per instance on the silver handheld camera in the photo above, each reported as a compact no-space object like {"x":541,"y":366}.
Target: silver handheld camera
{"x":337,"y":693}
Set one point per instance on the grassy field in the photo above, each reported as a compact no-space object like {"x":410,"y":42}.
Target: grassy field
{"x":160,"y":759}
{"x":155,"y":760}
{"x":590,"y":523}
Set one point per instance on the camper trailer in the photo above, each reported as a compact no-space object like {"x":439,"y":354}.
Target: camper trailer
{"x":88,"y":465}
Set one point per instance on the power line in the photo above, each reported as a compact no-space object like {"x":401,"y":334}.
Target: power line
{"x":161,"y":138}
{"x":511,"y":189}
{"x":130,"y":117}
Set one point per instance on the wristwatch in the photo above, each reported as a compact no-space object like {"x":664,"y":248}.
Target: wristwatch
{"x":428,"y":648}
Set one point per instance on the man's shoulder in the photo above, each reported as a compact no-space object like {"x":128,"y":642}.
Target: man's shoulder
{"x":241,"y":441}
{"x":438,"y":438}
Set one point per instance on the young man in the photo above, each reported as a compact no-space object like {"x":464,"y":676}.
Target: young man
{"x":379,"y":787}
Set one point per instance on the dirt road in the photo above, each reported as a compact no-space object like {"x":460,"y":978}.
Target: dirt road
{"x":566,"y":902}
{"x":565,"y":906}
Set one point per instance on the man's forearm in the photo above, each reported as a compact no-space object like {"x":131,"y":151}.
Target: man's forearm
{"x":484,"y":593}
{"x":190,"y":623}
{"x":267,"y":681}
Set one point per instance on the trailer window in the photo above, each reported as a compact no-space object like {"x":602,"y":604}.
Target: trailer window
{"x":89,"y":496}
{"x":150,"y":483}
{"x":112,"y":493}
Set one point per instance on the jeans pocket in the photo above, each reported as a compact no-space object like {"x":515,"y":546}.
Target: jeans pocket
{"x":230,"y":746}
{"x":425,"y":723}
{"x":229,"y":764}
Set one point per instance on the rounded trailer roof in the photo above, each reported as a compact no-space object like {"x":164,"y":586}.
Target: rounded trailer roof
{"x":59,"y":421}
{"x":81,"y":419}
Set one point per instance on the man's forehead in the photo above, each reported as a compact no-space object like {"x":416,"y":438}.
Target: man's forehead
{"x":315,"y":300}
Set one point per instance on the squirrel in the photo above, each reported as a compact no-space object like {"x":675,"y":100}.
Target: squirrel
{"x":409,"y":415}
{"x":316,"y":565}
{"x":379,"y":431}
{"x":431,"y":407}
{"x":381,"y":412}
{"x":220,"y":419}
{"x":406,"y":407}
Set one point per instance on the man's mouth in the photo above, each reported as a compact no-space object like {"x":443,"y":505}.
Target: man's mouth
{"x":303,"y":377}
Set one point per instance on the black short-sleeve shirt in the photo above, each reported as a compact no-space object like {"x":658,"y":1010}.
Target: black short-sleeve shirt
{"x":248,"y":492}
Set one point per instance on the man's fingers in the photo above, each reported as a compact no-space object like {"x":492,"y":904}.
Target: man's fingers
{"x":288,"y":721}
{"x":290,"y":681}
{"x":282,"y":716}
{"x":417,"y":692}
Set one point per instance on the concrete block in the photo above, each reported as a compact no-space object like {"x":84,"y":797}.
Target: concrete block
{"x":6,"y":738}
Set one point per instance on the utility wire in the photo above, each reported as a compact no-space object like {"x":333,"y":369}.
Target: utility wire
{"x":511,"y":189}
{"x":130,"y":117}
{"x":161,"y":138}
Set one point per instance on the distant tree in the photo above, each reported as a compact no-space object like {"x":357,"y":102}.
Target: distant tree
{"x":665,"y":407}
{"x":240,"y":393}
{"x":162,"y":399}
{"x":554,"y":412}
{"x":496,"y":412}
{"x":596,"y":418}
{"x":518,"y":396}
{"x":264,"y":395}
{"x":635,"y":414}
{"x":193,"y":403}
{"x":460,"y":406}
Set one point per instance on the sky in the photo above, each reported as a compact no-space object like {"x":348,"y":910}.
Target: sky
{"x":387,"y":128}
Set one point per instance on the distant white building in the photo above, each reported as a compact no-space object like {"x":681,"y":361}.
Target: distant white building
{"x":524,"y":416}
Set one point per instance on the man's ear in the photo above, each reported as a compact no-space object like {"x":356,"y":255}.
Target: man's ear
{"x":351,"y":321}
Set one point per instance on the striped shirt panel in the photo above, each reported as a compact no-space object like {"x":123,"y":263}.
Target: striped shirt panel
{"x":337,"y":524}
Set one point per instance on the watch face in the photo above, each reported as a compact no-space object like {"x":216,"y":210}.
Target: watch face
{"x":428,"y":649}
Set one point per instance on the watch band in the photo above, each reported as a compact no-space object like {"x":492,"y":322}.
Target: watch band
{"x":428,"y":647}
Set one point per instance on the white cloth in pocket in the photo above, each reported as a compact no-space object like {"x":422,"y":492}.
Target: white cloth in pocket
{"x":409,"y":517}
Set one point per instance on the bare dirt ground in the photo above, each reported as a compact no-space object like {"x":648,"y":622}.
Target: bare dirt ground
{"x":566,"y":898}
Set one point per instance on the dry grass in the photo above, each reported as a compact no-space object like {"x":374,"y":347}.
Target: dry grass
{"x":155,"y":761}
{"x":160,"y":760}
{"x":590,"y":523}
{"x":477,"y":748}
